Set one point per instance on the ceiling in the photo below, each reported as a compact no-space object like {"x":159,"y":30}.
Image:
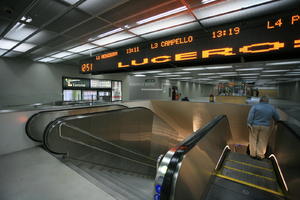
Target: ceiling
{"x":66,"y":31}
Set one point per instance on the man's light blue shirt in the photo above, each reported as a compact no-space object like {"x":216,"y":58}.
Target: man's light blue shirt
{"x":261,"y":114}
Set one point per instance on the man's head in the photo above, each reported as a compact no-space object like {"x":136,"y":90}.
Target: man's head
{"x":264,"y":99}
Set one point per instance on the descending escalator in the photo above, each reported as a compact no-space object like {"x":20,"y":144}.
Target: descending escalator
{"x":206,"y":166}
{"x":242,"y":177}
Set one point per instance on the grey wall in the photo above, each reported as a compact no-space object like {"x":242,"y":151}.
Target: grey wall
{"x":289,"y":91}
{"x":24,"y":82}
{"x":139,"y":89}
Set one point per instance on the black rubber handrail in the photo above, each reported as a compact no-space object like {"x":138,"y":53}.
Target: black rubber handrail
{"x":64,"y":109}
{"x":180,"y":150}
{"x":292,"y":130}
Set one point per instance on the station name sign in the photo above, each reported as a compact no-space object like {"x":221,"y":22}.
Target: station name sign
{"x":268,"y":38}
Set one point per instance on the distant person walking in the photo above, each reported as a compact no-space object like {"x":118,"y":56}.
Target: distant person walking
{"x":260,"y":127}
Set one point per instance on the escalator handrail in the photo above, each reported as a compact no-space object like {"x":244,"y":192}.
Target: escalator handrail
{"x":64,"y":109}
{"x":176,"y":155}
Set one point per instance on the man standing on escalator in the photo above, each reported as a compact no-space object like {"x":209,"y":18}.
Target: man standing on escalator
{"x":260,"y":127}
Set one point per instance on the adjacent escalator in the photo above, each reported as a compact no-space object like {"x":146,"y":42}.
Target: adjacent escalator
{"x":117,"y":149}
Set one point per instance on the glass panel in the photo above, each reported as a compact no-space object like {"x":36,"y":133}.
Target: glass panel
{"x":116,"y":90}
{"x":72,"y":95}
{"x":89,"y":95}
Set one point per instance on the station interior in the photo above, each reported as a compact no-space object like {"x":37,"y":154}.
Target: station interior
{"x":140,"y":100}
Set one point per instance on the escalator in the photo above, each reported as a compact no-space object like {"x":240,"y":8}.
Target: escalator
{"x":115,"y":148}
{"x":207,"y":166}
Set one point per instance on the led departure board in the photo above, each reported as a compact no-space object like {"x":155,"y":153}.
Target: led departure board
{"x":265,"y":38}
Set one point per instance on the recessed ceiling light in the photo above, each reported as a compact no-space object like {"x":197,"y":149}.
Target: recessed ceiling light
{"x":170,"y":12}
{"x":139,"y":75}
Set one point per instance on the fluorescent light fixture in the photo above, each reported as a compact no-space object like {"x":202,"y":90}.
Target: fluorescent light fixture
{"x":61,"y":54}
{"x":72,"y":2}
{"x":170,"y":12}
{"x":193,"y":69}
{"x":82,"y":48}
{"x":265,"y":75}
{"x":20,"y":32}
{"x":206,"y":74}
{"x":147,"y":72}
{"x":228,"y":75}
{"x":219,"y":67}
{"x":249,"y":74}
{"x":283,"y":63}
{"x":207,"y":1}
{"x":23,"y":47}
{"x":203,"y":79}
{"x":224,"y":73}
{"x":213,"y":77}
{"x":182,"y":78}
{"x":166,"y":76}
{"x":162,"y":74}
{"x":293,"y":73}
{"x":163,"y":24}
{"x":280,"y":70}
{"x":181,"y":72}
{"x":139,"y":75}
{"x":7,"y":44}
{"x":110,"y":32}
{"x":113,"y":38}
{"x":47,"y":59}
{"x":249,"y":69}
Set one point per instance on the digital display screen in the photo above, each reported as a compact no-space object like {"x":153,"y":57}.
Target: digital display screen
{"x":266,"y":38}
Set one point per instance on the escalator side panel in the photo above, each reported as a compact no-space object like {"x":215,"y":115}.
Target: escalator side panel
{"x":199,"y":163}
{"x":285,"y":146}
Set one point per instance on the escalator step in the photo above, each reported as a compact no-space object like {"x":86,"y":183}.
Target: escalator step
{"x":265,"y":163}
{"x":250,"y":168}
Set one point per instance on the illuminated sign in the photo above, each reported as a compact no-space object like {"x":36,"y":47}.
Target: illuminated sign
{"x":275,"y":37}
{"x":75,"y":83}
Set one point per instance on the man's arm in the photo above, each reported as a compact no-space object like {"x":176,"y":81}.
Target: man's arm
{"x":276,"y":116}
{"x":251,"y":116}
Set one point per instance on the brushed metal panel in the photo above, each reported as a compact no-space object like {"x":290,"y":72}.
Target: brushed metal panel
{"x":286,"y":147}
{"x":198,"y":164}
{"x":113,"y":138}
{"x":37,"y":123}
